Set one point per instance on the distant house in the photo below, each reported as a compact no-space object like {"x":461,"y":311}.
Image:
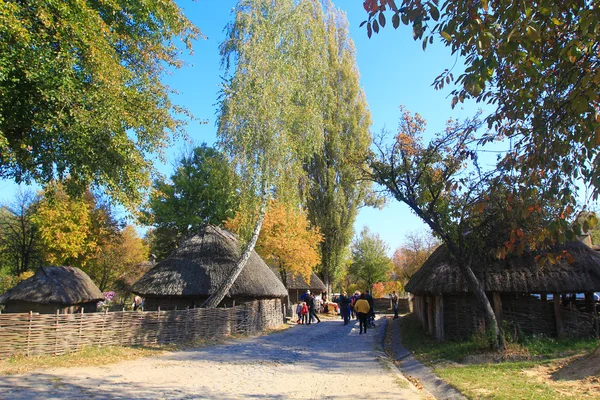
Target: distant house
{"x":66,"y":289}
{"x":191,"y":273}
{"x":297,"y":285}
{"x":519,"y":290}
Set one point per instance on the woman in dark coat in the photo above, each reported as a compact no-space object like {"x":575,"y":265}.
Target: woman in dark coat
{"x":345,"y":307}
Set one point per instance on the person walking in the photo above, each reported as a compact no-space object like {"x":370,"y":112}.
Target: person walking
{"x":353,"y":299}
{"x":304,"y":314}
{"x":311,"y":302}
{"x":362,"y":308}
{"x":394,"y":297}
{"x":299,"y":312}
{"x":371,"y":316}
{"x":345,"y":307}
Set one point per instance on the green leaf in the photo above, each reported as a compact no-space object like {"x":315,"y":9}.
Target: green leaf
{"x":446,"y":35}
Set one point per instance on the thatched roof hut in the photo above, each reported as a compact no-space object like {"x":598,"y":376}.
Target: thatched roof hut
{"x":66,"y":289}
{"x":297,"y":285}
{"x":198,"y":268}
{"x":440,"y":287}
{"x":439,"y":275}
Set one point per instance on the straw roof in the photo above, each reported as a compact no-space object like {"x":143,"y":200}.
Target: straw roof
{"x":201,"y":265}
{"x":297,"y":282}
{"x":439,"y":275}
{"x":55,"y":285}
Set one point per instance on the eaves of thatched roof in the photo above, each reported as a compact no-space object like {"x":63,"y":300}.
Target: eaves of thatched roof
{"x":439,"y":275}
{"x":55,"y":285}
{"x":202,"y":263}
{"x":297,"y":282}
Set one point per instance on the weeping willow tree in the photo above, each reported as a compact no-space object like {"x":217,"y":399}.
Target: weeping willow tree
{"x":270,"y":117}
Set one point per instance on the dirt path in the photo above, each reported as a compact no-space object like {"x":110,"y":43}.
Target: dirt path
{"x":321,"y":361}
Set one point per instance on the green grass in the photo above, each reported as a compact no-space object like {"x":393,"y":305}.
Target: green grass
{"x":525,"y":379}
{"x":497,"y":381}
{"x":429,"y":350}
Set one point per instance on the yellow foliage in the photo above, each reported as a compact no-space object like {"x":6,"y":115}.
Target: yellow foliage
{"x":286,"y":239}
{"x":65,"y":227}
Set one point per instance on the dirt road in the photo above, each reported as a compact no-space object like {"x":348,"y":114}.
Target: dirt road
{"x":320,"y":361}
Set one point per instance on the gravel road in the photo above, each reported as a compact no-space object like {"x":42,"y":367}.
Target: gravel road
{"x":320,"y":361}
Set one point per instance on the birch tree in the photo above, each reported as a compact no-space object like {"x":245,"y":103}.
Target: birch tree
{"x":269,"y":111}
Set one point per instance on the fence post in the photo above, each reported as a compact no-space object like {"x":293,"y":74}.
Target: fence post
{"x":56,"y":335}
{"x":29,"y":332}
{"x":81,"y":329}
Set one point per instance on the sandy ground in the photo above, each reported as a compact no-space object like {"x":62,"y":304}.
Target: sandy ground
{"x":320,"y":361}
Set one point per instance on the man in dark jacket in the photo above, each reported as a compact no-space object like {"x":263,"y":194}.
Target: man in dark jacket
{"x":311,"y":301}
{"x":371,"y":315}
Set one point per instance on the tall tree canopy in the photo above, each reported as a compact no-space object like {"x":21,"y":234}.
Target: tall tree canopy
{"x":335,"y":191}
{"x":80,"y":90}
{"x":536,"y":64}
{"x":370,"y":261}
{"x":203,"y":190}
{"x":270,"y":117}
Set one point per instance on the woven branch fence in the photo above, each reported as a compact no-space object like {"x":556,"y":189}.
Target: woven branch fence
{"x":35,"y":334}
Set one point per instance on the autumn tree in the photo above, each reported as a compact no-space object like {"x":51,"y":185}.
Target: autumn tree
{"x":118,"y":261}
{"x":412,"y":253}
{"x":370,"y":262}
{"x":286,"y":240}
{"x":270,"y":117}
{"x":432,"y":181}
{"x":20,"y":239}
{"x":81,"y":93}
{"x":201,"y":191}
{"x":335,"y":190}
{"x":73,"y":229}
{"x":535,"y":64}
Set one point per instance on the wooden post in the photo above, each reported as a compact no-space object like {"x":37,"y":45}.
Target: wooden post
{"x":430,"y":323}
{"x":589,"y":302}
{"x":56,"y":335}
{"x":497,"y":307}
{"x":439,"y":318}
{"x":543,"y":297}
{"x":29,"y":332}
{"x":81,"y":329}
{"x":560,"y":330}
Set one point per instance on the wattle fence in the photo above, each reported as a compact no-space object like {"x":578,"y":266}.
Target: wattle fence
{"x":35,"y":334}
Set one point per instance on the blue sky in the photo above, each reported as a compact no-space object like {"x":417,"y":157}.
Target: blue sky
{"x":394,"y":71}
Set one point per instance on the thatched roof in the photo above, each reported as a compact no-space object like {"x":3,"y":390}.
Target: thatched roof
{"x":515,"y":274}
{"x":202,"y":263}
{"x":297,"y":282}
{"x":55,"y":285}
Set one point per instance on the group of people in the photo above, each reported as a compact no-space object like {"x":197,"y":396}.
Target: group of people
{"x":360,"y":306}
{"x":307,"y":309}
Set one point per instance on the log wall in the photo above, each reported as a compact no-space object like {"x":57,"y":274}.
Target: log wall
{"x":35,"y":334}
{"x":463,"y":317}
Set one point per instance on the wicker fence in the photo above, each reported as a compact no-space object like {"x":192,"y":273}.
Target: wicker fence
{"x":33,"y":334}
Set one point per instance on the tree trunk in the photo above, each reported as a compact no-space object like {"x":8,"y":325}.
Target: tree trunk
{"x":218,"y":296}
{"x":497,"y":341}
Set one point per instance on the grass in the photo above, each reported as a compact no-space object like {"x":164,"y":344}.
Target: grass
{"x":524,"y":371}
